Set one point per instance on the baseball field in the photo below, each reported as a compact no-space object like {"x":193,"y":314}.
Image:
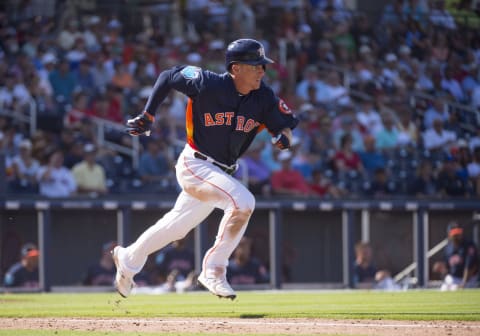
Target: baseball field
{"x":424,"y":312}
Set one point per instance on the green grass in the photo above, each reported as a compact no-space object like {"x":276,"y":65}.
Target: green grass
{"x":412,"y":305}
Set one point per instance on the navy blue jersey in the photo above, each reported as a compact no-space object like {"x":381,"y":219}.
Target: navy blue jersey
{"x":253,"y":272}
{"x":460,"y":257}
{"x":19,"y":276}
{"x":221,"y":122}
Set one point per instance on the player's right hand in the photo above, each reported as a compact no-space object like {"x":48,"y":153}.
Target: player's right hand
{"x":141,"y":124}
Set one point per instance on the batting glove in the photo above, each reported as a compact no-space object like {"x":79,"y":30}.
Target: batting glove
{"x":141,"y":124}
{"x":281,"y":141}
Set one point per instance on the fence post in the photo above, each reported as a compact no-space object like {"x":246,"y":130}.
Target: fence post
{"x":124,"y":215}
{"x":348,"y":219}
{"x":44,"y":243}
{"x":419,"y":246}
{"x":200,"y":245}
{"x":275,"y":235}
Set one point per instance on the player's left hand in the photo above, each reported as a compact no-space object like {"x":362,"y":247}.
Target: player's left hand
{"x":283,"y":139}
{"x":141,"y":124}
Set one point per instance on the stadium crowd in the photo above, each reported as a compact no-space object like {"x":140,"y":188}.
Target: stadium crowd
{"x":389,"y":102}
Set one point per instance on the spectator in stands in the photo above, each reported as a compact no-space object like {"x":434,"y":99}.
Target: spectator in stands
{"x":54,"y":179}
{"x":107,"y":106}
{"x":322,"y":186}
{"x":460,"y":267}
{"x":474,"y":166}
{"x":89,"y":175}
{"x":408,"y":132}
{"x":335,"y":93}
{"x":368,"y":118}
{"x":449,"y":183}
{"x":475,"y":141}
{"x":257,"y":171}
{"x":371,"y":158}
{"x":451,"y":85}
{"x":287,"y":181}
{"x":24,"y":168}
{"x":424,"y":183}
{"x":344,"y":124}
{"x":440,"y":17}
{"x":345,"y":158}
{"x":437,"y":138}
{"x":63,"y":82}
{"x":311,"y":79}
{"x":437,"y":110}
{"x":77,"y":111}
{"x":381,"y":185}
{"x":84,"y":78}
{"x":155,"y":167}
{"x":25,"y":272}
{"x":103,"y":272}
{"x":439,"y":50}
{"x":387,"y":138}
{"x":245,"y":269}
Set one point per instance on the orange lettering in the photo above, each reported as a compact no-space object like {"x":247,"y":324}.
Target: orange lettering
{"x":240,"y":121}
{"x":208,"y":120}
{"x":249,"y":125}
{"x":229,"y":116}
{"x":219,"y":118}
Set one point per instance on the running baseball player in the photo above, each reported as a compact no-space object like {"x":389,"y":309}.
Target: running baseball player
{"x":223,"y":114}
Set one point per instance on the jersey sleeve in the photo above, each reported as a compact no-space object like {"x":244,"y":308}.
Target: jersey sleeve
{"x":185,"y":79}
{"x":278,"y":115}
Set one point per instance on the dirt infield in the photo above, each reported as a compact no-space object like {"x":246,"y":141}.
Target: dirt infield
{"x":249,"y":326}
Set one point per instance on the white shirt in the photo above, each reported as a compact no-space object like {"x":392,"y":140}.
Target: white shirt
{"x":371,"y":121}
{"x":60,"y":183}
{"x":473,"y":169}
{"x":432,"y":139}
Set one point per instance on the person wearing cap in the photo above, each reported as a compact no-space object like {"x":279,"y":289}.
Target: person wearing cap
{"x":460,"y":265}
{"x":24,"y":169}
{"x":102,"y":273}
{"x":89,"y":175}
{"x":25,"y":272}
{"x":224,"y":114}
{"x":287,"y":181}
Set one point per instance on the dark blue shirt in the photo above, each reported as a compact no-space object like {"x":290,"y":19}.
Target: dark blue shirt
{"x":253,"y":272}
{"x":221,"y":122}
{"x":19,"y":276}
{"x":460,"y":257}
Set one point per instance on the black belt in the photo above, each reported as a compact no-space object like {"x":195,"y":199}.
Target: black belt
{"x":228,"y":170}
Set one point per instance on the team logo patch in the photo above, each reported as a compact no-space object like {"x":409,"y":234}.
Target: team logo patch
{"x":284,"y":107}
{"x":191,"y":72}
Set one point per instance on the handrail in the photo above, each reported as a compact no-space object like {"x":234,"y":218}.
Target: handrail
{"x":410,"y":268}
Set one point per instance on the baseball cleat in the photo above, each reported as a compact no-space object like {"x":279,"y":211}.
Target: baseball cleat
{"x":123,"y":282}
{"x":218,"y":286}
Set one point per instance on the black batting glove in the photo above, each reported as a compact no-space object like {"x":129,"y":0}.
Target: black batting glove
{"x":281,"y":141}
{"x":141,"y":124}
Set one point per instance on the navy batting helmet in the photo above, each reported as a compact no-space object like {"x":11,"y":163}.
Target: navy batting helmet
{"x":247,"y":51}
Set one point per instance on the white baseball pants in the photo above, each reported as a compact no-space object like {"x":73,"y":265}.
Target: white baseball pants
{"x":204,"y":188}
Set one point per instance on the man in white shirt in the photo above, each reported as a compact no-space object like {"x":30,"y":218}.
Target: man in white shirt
{"x":438,"y":138}
{"x":54,"y":179}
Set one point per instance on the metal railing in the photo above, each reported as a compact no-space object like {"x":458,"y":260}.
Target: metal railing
{"x":28,"y":115}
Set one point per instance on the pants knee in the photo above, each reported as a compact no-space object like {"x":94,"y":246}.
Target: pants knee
{"x":241,"y":215}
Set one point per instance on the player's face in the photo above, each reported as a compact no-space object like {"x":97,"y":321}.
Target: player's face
{"x":248,"y":77}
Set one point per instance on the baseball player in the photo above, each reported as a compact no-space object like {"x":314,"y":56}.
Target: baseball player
{"x":223,"y":114}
